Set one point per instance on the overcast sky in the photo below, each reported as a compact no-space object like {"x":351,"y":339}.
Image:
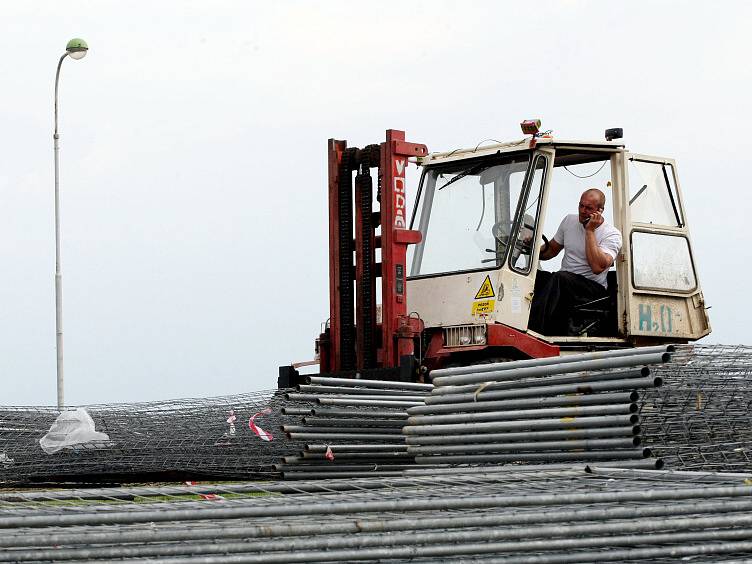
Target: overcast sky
{"x":193,"y":160}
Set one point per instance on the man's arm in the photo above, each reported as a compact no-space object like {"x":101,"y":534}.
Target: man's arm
{"x":554,"y":248}
{"x":598,"y":259}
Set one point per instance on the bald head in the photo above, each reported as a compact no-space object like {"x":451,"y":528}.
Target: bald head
{"x":596,"y":196}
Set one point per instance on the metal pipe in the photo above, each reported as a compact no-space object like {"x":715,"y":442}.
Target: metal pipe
{"x":58,"y":269}
{"x":296,"y":411}
{"x":324,"y":475}
{"x":551,"y":380}
{"x":294,"y":396}
{"x":473,"y":548}
{"x":524,"y":403}
{"x":383,"y":384}
{"x":345,"y":471}
{"x":532,"y":456}
{"x":540,"y":391}
{"x":347,"y":391}
{"x":586,"y":445}
{"x":370,"y":403}
{"x":564,"y":434}
{"x":646,"y":464}
{"x":352,"y":466}
{"x":356,"y":448}
{"x":541,"y":424}
{"x":507,"y":472}
{"x":669,"y":474}
{"x":350,"y":429}
{"x":360,"y":413}
{"x":673,"y":552}
{"x":566,"y":368}
{"x":348,"y":398}
{"x":574,"y":411}
{"x":340,"y":437}
{"x":326,"y":422}
{"x":383,"y":457}
{"x":548,"y":361}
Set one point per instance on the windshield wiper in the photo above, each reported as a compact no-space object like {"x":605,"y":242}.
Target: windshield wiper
{"x":472,"y":170}
{"x":639,"y":193}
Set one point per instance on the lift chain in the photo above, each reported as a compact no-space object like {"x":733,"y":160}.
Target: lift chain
{"x":346,"y":274}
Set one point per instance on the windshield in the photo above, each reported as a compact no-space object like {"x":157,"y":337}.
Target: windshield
{"x":652,"y":193}
{"x":466,"y":212}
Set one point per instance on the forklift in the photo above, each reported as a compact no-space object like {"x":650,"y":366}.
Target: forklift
{"x":451,"y":282}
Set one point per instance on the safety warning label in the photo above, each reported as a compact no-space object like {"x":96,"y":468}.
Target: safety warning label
{"x":483,"y":307}
{"x":486,"y":290}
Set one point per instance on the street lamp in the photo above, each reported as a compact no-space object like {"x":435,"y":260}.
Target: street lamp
{"x":75,"y":49}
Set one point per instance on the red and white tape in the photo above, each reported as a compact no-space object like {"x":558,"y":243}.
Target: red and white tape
{"x":263,"y":435}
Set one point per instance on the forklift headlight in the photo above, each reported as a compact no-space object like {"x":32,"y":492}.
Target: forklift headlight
{"x":464,"y":335}
{"x":479,"y":335}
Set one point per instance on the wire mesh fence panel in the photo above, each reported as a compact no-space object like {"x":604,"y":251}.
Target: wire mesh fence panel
{"x":700,"y":418}
{"x":231,"y":436}
{"x":689,"y":409}
{"x":499,"y":514}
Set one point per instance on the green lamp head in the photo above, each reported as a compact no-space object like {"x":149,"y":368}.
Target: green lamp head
{"x":76,"y":48}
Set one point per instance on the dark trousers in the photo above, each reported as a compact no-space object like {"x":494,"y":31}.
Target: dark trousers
{"x":554,"y":297}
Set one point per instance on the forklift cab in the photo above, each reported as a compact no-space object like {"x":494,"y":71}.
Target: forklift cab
{"x":484,"y":214}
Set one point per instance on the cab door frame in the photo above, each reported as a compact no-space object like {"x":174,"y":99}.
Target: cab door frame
{"x":657,"y":312}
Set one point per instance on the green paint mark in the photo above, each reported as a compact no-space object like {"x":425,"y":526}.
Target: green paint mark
{"x":667,"y":321}
{"x":646,"y":318}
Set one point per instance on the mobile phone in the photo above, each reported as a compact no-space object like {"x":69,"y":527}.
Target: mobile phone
{"x":586,"y":221}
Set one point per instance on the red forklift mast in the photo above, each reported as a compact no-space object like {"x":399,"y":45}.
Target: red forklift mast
{"x":354,"y":340}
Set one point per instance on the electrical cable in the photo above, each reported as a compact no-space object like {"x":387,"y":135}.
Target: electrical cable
{"x":589,"y":175}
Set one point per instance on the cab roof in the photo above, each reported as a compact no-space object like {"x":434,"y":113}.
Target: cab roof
{"x":511,"y":146}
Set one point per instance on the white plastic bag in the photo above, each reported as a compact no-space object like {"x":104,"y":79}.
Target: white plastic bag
{"x":71,"y":428}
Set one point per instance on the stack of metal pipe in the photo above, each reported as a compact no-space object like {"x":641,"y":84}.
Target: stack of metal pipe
{"x":580,"y":407}
{"x":349,"y":427}
{"x":493,"y":514}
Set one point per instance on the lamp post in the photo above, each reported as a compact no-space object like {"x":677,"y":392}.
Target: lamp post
{"x":75,"y":49}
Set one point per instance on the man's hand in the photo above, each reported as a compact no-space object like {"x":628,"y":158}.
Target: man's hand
{"x":597,"y":259}
{"x":596,"y":220}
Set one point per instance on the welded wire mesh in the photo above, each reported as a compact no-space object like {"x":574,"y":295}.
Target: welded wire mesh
{"x":701,"y":417}
{"x":181,"y":438}
{"x":539,"y":515}
{"x":698,"y":419}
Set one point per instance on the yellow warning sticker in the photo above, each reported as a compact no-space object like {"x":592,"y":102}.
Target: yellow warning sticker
{"x":486,"y":290}
{"x":483,"y":307}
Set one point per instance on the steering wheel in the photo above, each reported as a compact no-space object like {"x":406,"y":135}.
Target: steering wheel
{"x":522,"y":246}
{"x":525,"y":247}
{"x":499,"y":235}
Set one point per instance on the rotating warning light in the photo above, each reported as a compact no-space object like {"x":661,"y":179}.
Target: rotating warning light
{"x":531,"y":126}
